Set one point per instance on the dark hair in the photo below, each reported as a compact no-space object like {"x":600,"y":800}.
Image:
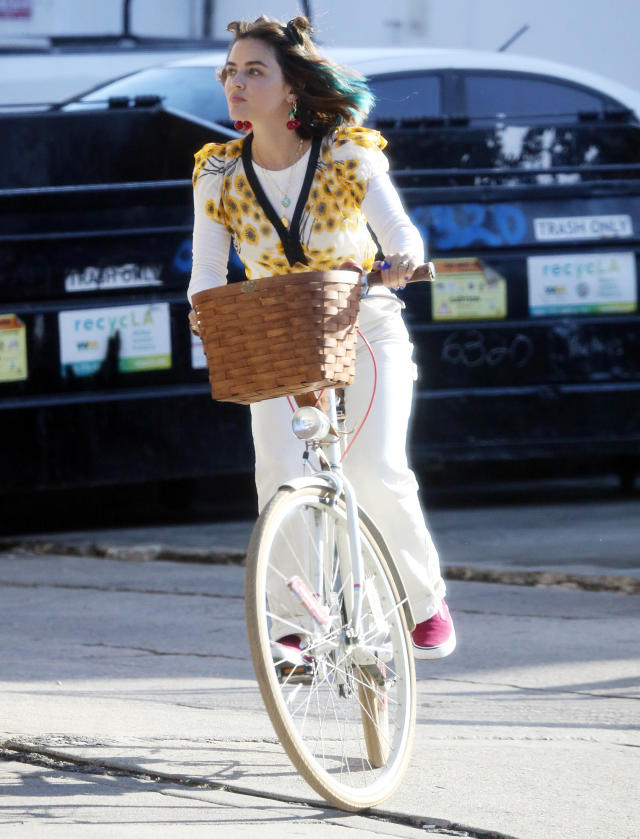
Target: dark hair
{"x":327,"y":94}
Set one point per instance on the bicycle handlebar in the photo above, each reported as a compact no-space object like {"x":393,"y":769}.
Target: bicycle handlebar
{"x":423,"y":273}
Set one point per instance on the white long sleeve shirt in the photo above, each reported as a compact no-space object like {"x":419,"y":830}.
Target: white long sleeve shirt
{"x":381,"y":207}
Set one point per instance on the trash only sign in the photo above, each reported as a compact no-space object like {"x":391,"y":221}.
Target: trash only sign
{"x":139,"y":335}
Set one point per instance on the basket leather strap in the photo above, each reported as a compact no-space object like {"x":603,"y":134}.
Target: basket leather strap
{"x":310,"y":398}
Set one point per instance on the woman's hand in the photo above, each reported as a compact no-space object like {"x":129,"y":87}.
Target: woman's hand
{"x":396,"y":269}
{"x":193,"y":323}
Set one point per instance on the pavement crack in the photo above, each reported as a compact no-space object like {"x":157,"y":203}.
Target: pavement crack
{"x":152,"y":651}
{"x":532,"y":689}
{"x":542,"y":615}
{"x":13,"y":751}
{"x":122,"y":590}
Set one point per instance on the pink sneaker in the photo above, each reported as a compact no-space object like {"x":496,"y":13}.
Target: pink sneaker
{"x":435,"y":637}
{"x":291,"y":647}
{"x":292,"y":665}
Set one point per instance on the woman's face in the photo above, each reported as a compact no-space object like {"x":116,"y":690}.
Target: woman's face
{"x":254,"y":86}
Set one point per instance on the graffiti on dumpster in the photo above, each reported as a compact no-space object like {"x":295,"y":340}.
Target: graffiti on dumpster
{"x":448,"y":226}
{"x":600,"y":354}
{"x":473,"y":348}
{"x":183,"y":257}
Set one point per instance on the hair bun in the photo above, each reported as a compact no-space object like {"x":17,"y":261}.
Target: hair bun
{"x":297,"y":28}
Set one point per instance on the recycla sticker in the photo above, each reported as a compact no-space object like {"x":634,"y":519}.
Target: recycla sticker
{"x":139,"y":335}
{"x":591,"y":283}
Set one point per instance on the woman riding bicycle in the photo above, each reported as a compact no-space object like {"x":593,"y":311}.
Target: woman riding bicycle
{"x":297,"y":193}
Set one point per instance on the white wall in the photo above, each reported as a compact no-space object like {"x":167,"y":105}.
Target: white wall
{"x":57,"y":17}
{"x":597,"y":35}
{"x":338,"y":22}
{"x":179,"y":18}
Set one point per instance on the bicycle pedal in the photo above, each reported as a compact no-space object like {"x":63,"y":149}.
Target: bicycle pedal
{"x":295,"y":674}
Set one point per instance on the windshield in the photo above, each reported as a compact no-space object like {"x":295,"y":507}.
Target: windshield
{"x":194,"y":90}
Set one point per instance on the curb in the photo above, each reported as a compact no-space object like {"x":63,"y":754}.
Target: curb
{"x":620,"y":583}
{"x":130,"y":553}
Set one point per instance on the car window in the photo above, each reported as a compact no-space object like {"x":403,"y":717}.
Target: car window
{"x":520,"y":95}
{"x":194,"y":90}
{"x":409,"y":96}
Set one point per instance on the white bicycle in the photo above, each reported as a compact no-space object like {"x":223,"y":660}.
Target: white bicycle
{"x":343,"y":706}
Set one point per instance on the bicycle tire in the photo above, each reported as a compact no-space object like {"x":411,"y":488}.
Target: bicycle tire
{"x":352,"y":760}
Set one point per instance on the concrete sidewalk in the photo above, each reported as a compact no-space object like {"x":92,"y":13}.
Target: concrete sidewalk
{"x":142,"y":672}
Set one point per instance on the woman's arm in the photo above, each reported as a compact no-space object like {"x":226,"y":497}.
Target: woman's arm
{"x":211,"y":241}
{"x":398,"y":237}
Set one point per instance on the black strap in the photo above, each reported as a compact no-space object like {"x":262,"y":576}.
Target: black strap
{"x":289,"y":236}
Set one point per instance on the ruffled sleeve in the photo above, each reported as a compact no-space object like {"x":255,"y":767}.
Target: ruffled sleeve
{"x":214,"y":163}
{"x":357,"y":153}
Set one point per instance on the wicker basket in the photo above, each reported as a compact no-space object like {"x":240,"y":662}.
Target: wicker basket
{"x":279,"y":336}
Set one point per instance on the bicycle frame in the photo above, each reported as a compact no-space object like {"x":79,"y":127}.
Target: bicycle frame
{"x":330,"y":450}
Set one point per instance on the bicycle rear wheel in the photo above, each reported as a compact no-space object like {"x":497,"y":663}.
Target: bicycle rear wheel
{"x":344,"y":708}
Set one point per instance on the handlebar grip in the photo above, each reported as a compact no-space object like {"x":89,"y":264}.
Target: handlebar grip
{"x":423,"y":274}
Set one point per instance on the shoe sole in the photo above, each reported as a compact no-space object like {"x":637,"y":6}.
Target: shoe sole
{"x":432,"y":653}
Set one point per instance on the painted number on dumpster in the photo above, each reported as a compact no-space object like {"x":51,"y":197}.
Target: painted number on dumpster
{"x":472,"y":348}
{"x":449,"y":226}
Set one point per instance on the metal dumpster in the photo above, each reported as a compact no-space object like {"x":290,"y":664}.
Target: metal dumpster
{"x":99,"y":379}
{"x":528,"y":344}
{"x":529,"y":341}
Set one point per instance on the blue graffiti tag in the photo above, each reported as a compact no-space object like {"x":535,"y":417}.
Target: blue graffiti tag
{"x":183,"y":257}
{"x":449,"y":226}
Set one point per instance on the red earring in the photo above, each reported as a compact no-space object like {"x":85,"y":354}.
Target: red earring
{"x":293,"y":122}
{"x":242,"y":125}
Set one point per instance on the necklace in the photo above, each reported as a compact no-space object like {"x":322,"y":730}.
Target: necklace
{"x":285,"y":200}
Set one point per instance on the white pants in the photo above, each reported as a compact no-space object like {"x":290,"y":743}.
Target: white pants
{"x":376,"y":464}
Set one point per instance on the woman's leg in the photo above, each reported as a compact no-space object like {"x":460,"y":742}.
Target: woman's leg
{"x":377,"y":463}
{"x":278,"y":458}
{"x":278,"y":452}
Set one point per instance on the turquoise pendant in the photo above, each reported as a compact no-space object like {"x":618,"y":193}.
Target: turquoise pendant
{"x":286,"y":201}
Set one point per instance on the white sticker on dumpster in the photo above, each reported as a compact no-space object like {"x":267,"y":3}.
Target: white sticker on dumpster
{"x":92,"y":278}
{"x":198,"y":358}
{"x":135,"y":338}
{"x":583,"y":227}
{"x":584,"y":283}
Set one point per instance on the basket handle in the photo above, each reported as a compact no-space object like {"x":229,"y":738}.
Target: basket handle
{"x":423,"y":274}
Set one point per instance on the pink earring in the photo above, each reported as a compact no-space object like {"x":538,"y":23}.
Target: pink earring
{"x":293,"y":122}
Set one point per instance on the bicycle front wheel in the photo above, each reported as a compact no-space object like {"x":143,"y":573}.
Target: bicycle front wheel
{"x":344,"y":706}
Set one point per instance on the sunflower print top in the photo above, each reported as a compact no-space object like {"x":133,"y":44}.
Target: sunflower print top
{"x":332,"y":227}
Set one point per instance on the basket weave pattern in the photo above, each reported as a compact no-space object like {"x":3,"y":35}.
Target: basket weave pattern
{"x":279,"y":336}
